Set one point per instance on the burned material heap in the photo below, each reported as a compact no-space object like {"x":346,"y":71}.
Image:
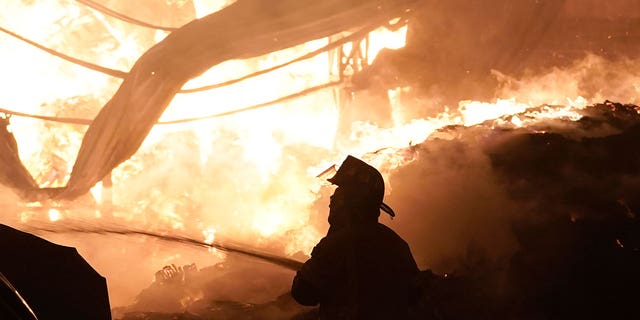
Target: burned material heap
{"x":575,"y":188}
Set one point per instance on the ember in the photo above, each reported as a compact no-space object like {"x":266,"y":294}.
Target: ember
{"x":199,"y":134}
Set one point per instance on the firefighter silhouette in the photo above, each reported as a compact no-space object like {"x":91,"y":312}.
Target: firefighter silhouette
{"x":361,"y":269}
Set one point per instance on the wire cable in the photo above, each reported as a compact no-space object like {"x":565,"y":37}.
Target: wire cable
{"x":121,"y":74}
{"x":328,"y":47}
{"x":258,"y":106}
{"x":123,"y":17}
{"x":82,"y":121}
{"x":112,"y":72}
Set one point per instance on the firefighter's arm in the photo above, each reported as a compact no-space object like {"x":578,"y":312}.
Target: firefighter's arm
{"x":317,"y":275}
{"x":304,"y":292}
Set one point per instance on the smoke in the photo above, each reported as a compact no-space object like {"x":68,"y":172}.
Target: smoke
{"x":453,"y":203}
{"x":450,"y":206}
{"x":468,"y":203}
{"x":594,"y":78}
{"x":537,"y":52}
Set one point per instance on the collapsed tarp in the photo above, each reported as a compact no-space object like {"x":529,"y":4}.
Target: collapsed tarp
{"x":248,"y":28}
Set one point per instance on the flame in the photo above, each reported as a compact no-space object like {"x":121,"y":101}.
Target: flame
{"x":209,"y":237}
{"x":205,"y":7}
{"x":96,"y":192}
{"x":270,"y":193}
{"x":54,"y":215}
{"x":261,"y":140}
{"x":383,"y":38}
{"x":249,"y":176}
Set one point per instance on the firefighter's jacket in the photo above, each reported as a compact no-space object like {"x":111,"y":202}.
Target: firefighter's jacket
{"x":365,"y":271}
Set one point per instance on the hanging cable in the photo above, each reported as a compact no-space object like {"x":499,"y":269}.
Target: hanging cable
{"x":332,"y":45}
{"x":88,"y":65}
{"x":122,"y":74}
{"x":217,"y":115}
{"x":47,"y":118}
{"x":258,"y":106}
{"x":125,"y":18}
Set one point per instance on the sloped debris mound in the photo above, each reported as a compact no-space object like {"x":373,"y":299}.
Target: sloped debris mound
{"x":576,"y":190}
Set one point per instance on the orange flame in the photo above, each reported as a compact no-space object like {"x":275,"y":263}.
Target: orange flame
{"x":250,"y":176}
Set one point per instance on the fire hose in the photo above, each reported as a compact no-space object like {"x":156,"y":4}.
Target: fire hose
{"x":229,"y":247}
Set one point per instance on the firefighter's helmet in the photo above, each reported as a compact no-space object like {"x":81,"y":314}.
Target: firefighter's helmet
{"x":357,"y":174}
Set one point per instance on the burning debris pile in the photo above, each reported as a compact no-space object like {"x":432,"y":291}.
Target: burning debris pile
{"x":570,"y":212}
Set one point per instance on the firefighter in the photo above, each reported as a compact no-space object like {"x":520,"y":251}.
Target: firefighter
{"x":361,"y":269}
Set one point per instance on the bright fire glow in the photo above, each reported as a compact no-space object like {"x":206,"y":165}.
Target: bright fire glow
{"x":475,"y":112}
{"x":253,"y":166}
{"x":252,"y":175}
{"x":96,"y":192}
{"x":54,"y":215}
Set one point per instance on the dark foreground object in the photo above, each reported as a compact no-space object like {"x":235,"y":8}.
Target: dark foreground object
{"x":55,"y":280}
